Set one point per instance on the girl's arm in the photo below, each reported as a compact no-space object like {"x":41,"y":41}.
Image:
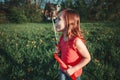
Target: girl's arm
{"x":84,"y":53}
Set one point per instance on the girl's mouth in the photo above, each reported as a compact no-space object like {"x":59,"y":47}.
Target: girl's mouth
{"x":57,"y":26}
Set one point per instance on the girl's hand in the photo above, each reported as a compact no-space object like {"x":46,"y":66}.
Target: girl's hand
{"x":70,"y":70}
{"x":57,"y":50}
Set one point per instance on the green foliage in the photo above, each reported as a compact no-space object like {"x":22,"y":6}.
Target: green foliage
{"x":17,"y":15}
{"x":107,"y":10}
{"x":103,"y":42}
{"x":3,"y":18}
{"x":34,"y":16}
{"x":26,"y":51}
{"x":20,"y":11}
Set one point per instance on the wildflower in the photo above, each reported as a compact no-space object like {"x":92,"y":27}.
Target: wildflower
{"x":87,"y":33}
{"x":29,"y":69}
{"x":28,"y":41}
{"x":33,"y":42}
{"x":16,"y":44}
{"x":35,"y":46}
{"x":53,"y":39}
{"x":41,"y":41}
{"x":27,"y":45}
{"x":96,"y":60}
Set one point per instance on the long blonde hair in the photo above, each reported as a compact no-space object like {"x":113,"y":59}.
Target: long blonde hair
{"x":72,"y":21}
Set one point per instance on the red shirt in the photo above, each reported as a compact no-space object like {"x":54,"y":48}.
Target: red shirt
{"x":69,"y":53}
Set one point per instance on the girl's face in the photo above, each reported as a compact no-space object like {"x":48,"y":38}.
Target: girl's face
{"x":60,"y":23}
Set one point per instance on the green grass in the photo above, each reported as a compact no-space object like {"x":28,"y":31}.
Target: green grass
{"x":26,"y":51}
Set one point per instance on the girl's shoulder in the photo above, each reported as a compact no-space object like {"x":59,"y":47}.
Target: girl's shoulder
{"x":76,"y":38}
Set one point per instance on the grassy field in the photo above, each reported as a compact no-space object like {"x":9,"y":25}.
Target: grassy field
{"x":26,"y":51}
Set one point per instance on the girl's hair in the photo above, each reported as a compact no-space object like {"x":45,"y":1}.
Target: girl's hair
{"x":72,"y":23}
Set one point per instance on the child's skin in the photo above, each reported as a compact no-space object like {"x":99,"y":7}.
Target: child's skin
{"x":61,"y":27}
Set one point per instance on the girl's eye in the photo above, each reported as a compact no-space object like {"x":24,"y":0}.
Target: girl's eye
{"x":57,"y":19}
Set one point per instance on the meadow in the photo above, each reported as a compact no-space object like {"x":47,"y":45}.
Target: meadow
{"x":26,"y":51}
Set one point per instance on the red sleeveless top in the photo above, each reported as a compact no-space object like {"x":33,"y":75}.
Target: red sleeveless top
{"x":69,"y":53}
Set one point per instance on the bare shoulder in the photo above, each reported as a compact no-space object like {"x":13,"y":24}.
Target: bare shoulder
{"x":82,"y":48}
{"x":79,"y":42}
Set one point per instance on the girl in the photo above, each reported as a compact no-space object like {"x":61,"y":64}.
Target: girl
{"x":71,"y":45}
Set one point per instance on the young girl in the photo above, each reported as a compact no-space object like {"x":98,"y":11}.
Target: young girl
{"x":71,"y":45}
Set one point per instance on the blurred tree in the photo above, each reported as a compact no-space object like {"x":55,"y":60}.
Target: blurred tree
{"x":95,"y":9}
{"x":78,"y":5}
{"x":104,"y":10}
{"x":89,"y":9}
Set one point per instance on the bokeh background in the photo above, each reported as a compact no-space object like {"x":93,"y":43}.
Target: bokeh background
{"x":27,"y":39}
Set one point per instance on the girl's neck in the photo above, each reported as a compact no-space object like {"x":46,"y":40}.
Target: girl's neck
{"x":65,"y":37}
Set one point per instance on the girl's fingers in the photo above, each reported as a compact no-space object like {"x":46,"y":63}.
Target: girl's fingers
{"x":69,"y":66}
{"x":56,"y":50}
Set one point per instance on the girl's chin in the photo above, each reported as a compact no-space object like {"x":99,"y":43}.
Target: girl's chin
{"x":58,"y":30}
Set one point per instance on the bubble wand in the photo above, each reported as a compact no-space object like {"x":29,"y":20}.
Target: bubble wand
{"x":55,"y":32}
{"x":61,"y":63}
